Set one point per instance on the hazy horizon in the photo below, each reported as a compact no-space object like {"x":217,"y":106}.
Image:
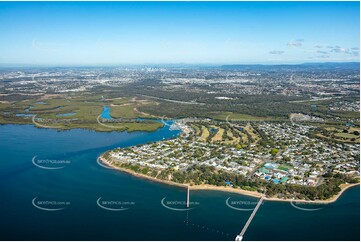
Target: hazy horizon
{"x":16,"y":65}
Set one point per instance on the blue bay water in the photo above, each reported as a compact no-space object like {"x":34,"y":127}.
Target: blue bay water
{"x":83,"y":181}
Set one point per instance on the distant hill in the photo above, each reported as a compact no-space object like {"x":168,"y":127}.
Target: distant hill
{"x":304,"y":66}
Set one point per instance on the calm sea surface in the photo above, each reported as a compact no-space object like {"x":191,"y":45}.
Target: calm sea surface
{"x":81,"y":200}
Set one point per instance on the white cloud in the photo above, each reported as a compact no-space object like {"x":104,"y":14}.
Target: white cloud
{"x":276,"y":52}
{"x":296,"y":43}
{"x":322,"y":52}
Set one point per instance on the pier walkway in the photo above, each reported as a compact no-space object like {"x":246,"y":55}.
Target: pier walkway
{"x":240,"y":236}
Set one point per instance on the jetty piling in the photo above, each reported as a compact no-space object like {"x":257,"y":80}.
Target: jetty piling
{"x":187,"y":197}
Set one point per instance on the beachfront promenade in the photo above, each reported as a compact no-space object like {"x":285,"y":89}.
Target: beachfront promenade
{"x":240,"y":236}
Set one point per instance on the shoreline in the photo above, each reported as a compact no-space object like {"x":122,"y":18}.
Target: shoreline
{"x":67,"y":128}
{"x":332,"y":199}
{"x":133,"y":173}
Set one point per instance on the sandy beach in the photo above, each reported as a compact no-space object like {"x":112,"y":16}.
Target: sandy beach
{"x":334,"y":198}
{"x":106,"y":162}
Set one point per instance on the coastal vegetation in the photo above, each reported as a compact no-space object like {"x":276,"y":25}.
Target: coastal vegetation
{"x":205,"y":175}
{"x":85,"y":110}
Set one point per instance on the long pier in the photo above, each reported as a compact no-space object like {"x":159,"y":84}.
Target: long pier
{"x":240,"y":236}
{"x":187,"y":197}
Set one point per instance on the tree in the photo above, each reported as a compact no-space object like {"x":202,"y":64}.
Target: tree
{"x":274,"y":151}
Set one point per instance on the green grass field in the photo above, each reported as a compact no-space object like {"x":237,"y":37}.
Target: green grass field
{"x":336,"y":133}
{"x":219,"y":134}
{"x":205,"y":134}
{"x":237,"y":117}
{"x":347,"y":136}
{"x":252,"y":132}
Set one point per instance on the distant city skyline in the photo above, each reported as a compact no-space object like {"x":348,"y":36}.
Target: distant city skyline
{"x":112,"y":33}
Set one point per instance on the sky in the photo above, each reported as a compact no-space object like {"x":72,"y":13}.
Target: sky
{"x":111,"y":33}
